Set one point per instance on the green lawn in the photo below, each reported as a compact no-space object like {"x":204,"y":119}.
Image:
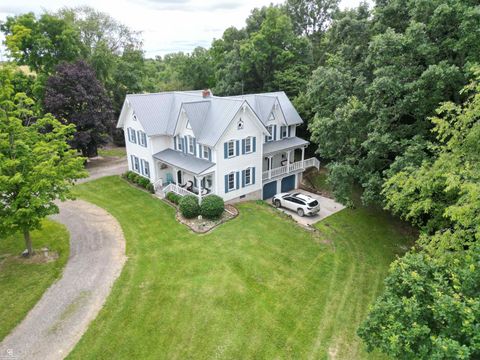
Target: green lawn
{"x":23,"y":283}
{"x":256,"y":287}
{"x":113,"y":152}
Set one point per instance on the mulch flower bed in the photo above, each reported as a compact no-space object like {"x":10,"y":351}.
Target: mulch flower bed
{"x":201,"y":225}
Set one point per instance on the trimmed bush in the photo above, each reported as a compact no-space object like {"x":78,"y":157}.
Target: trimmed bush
{"x":173,"y":197}
{"x":189,"y":206}
{"x":139,"y":180}
{"x":212,"y":207}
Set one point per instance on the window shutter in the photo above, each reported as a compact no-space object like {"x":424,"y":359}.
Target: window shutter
{"x":281,"y":131}
{"x":185,"y":138}
{"x":195,"y":181}
{"x":254,"y":144}
{"x":252,"y":174}
{"x":147,"y":169}
{"x":289,"y":132}
{"x":225,"y":150}
{"x":209,"y":154}
{"x":144,"y":139}
{"x":132,"y":161}
{"x":226,"y":184}
{"x":142,"y":170}
{"x":194,"y":147}
{"x":243,"y":146}
{"x":184,"y":145}
{"x":238,"y":147}
{"x":175,"y":142}
{"x":238,"y":179}
{"x":266,"y":138}
{"x":274,"y":132}
{"x":243,"y":178}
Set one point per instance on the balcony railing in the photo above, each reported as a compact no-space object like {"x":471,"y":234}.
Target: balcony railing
{"x":177,"y":189}
{"x":298,"y":165}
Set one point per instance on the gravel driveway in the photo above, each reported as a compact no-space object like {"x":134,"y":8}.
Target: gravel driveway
{"x":57,"y":322}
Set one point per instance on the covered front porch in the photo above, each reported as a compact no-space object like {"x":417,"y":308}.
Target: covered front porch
{"x":286,"y":156}
{"x":183,"y":174}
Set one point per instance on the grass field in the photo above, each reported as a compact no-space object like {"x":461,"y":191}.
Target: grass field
{"x":22,"y":283}
{"x":256,"y":287}
{"x":113,"y":152}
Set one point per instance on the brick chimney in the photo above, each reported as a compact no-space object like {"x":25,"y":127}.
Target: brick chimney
{"x":206,"y":93}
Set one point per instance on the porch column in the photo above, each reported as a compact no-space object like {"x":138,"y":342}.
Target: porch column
{"x":288,"y":161}
{"x":303,"y":155}
{"x":176,"y":178}
{"x":199,"y":182}
{"x":270,"y":166}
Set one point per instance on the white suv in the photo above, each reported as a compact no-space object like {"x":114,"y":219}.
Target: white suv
{"x":302,"y":204}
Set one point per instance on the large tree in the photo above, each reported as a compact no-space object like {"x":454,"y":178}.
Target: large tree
{"x":75,"y":96}
{"x":399,"y":63}
{"x":37,"y":165}
{"x":431,"y":305}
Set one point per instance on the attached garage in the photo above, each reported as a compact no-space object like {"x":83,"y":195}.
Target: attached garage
{"x":288,"y":183}
{"x":269,"y":190}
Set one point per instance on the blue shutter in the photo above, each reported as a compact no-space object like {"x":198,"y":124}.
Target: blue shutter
{"x":194,"y":147}
{"x":195,"y":181}
{"x":209,"y":154}
{"x":225,"y":150}
{"x":145,"y":139}
{"x":252,"y":174}
{"x":175,"y":142}
{"x":243,"y":146}
{"x":274,"y":132}
{"x":238,"y":180}
{"x":184,"y":145}
{"x":243,"y":178}
{"x":254,"y":144}
{"x":266,"y":138}
{"x":238,"y":147}
{"x":185,"y":138}
{"x":289,"y":128}
{"x":141,"y":166}
{"x":226,"y":184}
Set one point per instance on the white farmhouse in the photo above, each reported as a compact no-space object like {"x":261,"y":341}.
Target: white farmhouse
{"x":191,"y":142}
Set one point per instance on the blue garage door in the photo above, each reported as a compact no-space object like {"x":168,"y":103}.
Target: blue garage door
{"x":288,"y":183}
{"x":269,"y":190}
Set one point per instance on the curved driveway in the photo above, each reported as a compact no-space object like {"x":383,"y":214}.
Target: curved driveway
{"x":57,"y":322}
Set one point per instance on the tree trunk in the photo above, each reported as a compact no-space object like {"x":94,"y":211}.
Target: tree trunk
{"x":28,"y":242}
{"x":92,"y":150}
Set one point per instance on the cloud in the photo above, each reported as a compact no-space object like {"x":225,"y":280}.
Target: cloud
{"x":191,"y":5}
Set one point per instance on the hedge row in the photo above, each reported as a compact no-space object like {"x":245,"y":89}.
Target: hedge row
{"x":212,"y":205}
{"x":139,"y":180}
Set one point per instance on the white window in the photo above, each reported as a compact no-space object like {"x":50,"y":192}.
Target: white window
{"x":132,"y":135}
{"x":179,"y":143}
{"x":145,"y":168}
{"x":284,"y":132}
{"x":248,"y":145}
{"x":240,"y":124}
{"x":231,"y":181}
{"x":191,"y":145}
{"x":142,"y":138}
{"x":248,"y":176}
{"x":205,"y":152}
{"x":135,"y":163}
{"x":231,"y":148}
{"x":270,"y":131}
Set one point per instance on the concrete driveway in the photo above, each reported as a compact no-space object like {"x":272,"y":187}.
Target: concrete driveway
{"x":327,"y":208}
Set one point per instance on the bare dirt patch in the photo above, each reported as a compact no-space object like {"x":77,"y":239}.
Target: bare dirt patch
{"x":40,"y":256}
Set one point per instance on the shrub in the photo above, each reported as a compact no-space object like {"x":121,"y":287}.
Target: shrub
{"x":189,"y":206}
{"x":212,"y":207}
{"x":173,"y":198}
{"x":139,"y":180}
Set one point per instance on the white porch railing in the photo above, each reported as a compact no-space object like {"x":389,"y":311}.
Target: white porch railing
{"x":177,"y":189}
{"x":298,"y":165}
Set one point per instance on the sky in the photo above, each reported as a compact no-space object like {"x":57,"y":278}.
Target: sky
{"x":167,"y":25}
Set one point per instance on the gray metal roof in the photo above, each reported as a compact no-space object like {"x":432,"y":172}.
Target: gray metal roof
{"x":183,"y":161}
{"x":209,"y":117}
{"x":285,"y":144}
{"x":263,"y":104}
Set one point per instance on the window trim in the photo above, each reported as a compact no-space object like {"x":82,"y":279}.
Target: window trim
{"x":240,"y":124}
{"x":144,"y":168}
{"x":250,"y":143}
{"x":135,"y":164}
{"x":132,"y":135}
{"x":179,"y":143}
{"x":284,"y":129}
{"x":205,"y":152}
{"x":270,"y":129}
{"x":190,"y":144}
{"x":142,"y":138}
{"x":233,"y":148}
{"x":233,"y":181}
{"x":249,"y":171}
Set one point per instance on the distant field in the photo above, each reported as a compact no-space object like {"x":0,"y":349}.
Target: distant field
{"x":113,"y":152}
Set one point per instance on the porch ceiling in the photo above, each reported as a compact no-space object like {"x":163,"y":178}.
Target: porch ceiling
{"x":183,"y":161}
{"x":285,"y":144}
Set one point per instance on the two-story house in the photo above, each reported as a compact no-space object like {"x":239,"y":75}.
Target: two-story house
{"x":238,"y":147}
